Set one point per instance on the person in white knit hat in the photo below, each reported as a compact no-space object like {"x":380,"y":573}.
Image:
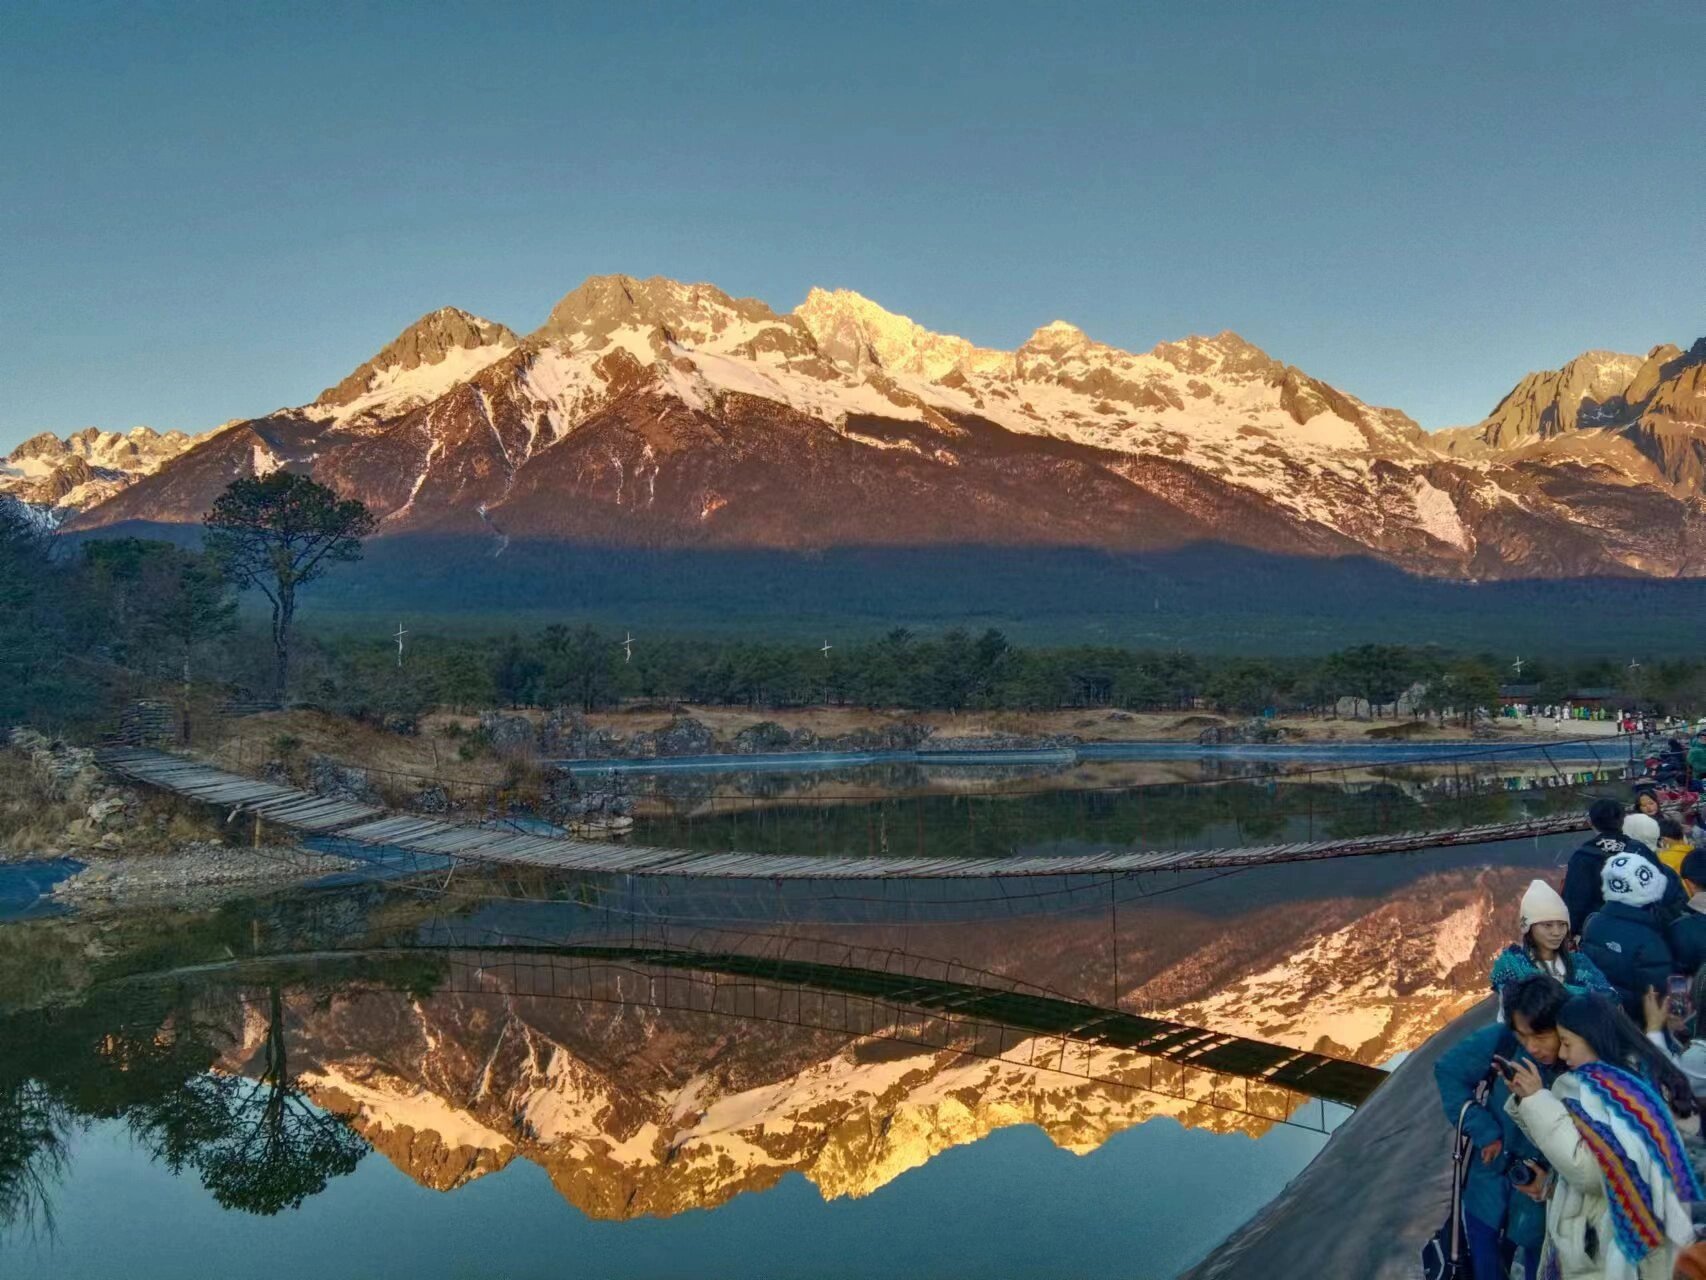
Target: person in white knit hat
{"x":1544,"y":946}
{"x":1643,"y":827}
{"x":1626,"y":937}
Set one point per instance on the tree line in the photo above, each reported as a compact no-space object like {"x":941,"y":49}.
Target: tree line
{"x":957,"y":670}
{"x":83,"y":632}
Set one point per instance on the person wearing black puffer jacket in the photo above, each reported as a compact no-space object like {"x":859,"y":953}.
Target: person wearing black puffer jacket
{"x":1582,"y":887}
{"x":1625,"y":937}
{"x":1687,"y":933}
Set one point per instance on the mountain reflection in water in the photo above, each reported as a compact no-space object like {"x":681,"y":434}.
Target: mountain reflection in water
{"x":234,"y":1052}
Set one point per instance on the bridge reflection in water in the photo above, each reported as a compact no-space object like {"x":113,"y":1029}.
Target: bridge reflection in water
{"x":914,"y":1000}
{"x":651,"y":1046}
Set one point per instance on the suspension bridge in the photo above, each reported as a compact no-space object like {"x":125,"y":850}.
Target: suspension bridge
{"x":368,"y":825}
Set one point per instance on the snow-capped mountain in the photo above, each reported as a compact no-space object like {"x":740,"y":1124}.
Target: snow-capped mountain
{"x":654,"y":413}
{"x":635,"y":1105}
{"x":56,"y":478}
{"x":427,"y":359}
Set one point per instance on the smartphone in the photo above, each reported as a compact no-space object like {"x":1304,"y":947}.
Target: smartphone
{"x":1505,"y":1066}
{"x":1676,"y":995}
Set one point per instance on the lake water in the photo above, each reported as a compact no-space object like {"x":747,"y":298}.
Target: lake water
{"x":520,"y":1075}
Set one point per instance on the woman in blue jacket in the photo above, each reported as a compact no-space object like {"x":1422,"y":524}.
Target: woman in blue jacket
{"x":1544,"y":924}
{"x":1499,"y":1215}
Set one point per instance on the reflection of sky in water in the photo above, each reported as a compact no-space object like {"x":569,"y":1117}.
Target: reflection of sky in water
{"x":1146,"y":1204}
{"x":24,"y":886}
{"x":1149,"y":1201}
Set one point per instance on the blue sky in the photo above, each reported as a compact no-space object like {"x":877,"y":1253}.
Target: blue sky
{"x":206,"y":214}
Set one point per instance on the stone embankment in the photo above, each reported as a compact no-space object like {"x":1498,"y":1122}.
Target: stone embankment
{"x":566,"y":735}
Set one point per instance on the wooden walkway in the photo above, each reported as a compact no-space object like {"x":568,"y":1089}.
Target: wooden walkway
{"x":348,"y":820}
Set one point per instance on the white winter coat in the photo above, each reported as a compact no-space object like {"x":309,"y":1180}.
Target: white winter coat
{"x":1578,"y":1199}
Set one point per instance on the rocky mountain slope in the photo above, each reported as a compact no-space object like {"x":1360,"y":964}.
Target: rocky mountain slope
{"x":658,"y":414}
{"x":636,"y":1106}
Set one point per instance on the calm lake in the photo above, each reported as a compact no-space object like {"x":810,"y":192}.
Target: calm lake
{"x":520,"y":1075}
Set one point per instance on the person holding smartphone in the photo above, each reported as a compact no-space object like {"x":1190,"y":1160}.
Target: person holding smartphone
{"x":1619,"y":1200}
{"x":1670,"y":1025}
{"x":1505,"y":1192}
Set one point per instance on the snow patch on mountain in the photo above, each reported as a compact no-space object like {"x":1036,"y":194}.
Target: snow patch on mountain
{"x":1436,"y":515}
{"x":416,"y":1109}
{"x":395,"y":390}
{"x":829,"y":400}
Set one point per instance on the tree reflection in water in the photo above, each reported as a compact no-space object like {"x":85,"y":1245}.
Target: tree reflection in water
{"x":33,"y":1130}
{"x":255,"y":1141}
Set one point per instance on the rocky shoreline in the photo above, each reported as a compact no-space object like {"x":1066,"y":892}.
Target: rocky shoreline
{"x":136,"y":847}
{"x":566,"y":735}
{"x":197,"y":874}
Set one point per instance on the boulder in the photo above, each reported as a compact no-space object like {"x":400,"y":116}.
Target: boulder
{"x":102,"y":812}
{"x":1250,"y":731}
{"x":30,"y":740}
{"x":901,"y":735}
{"x":684,"y":736}
{"x":508,"y":734}
{"x":762,"y":738}
{"x":571,"y":799}
{"x":430,"y":799}
{"x":562,"y":734}
{"x":329,"y":778}
{"x":566,"y":735}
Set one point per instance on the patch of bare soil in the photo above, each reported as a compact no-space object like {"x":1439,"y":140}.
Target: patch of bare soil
{"x":245,"y":745}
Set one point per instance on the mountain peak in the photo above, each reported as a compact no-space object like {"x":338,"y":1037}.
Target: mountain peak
{"x":1225,"y":352}
{"x":1589,"y":390}
{"x":853,"y":330}
{"x":665,"y":310}
{"x":1058,"y":333}
{"x":44,"y":444}
{"x":420,"y":364}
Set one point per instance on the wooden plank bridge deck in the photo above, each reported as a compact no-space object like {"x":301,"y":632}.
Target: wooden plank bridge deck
{"x":364,"y":824}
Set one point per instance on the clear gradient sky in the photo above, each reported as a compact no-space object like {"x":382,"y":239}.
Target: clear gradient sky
{"x":204,"y":216}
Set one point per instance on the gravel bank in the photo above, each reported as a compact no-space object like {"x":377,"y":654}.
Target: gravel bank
{"x":195,"y":873}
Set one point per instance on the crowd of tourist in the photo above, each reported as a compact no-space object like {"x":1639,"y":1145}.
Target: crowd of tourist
{"x":1581,"y":1104}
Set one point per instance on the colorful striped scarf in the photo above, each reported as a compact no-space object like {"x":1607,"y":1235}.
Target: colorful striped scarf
{"x":1628,"y":1128}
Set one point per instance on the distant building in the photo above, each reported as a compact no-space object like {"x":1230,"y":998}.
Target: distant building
{"x":1512,"y":695}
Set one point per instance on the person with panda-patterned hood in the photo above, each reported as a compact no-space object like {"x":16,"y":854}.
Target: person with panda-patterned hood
{"x":1626,"y":937}
{"x":1583,"y":893}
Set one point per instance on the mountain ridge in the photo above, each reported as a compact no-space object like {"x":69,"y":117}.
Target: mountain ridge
{"x":655,"y":413}
{"x":635,"y":1108}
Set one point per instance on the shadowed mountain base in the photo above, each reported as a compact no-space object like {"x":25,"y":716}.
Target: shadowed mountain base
{"x":1203,"y":598}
